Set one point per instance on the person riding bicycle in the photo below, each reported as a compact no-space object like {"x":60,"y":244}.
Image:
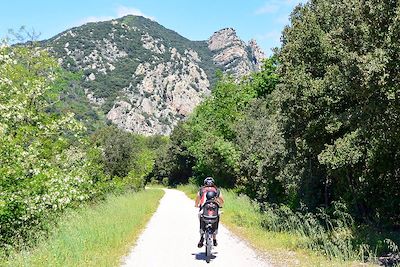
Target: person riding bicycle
{"x":201,"y":198}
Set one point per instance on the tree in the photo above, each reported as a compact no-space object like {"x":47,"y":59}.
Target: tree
{"x":41,"y":172}
{"x":118,"y":152}
{"x":265,"y":81}
{"x":339,"y":69}
{"x":212,"y":134}
{"x":262,"y":153}
{"x":175,"y":162}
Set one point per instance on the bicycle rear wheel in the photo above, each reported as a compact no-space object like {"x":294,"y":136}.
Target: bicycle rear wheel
{"x":208,"y":247}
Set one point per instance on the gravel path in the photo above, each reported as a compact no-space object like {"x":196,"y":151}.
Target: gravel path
{"x":170,"y":240}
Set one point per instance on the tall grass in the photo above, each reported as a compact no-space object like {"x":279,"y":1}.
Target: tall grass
{"x":279,"y":228}
{"x":96,"y":235}
{"x":331,"y":235}
{"x":189,"y":189}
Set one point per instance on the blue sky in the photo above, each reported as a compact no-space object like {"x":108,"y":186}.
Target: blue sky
{"x":262,"y":20}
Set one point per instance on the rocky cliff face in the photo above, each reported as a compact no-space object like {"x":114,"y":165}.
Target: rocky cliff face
{"x":256,"y":54}
{"x":144,"y":77}
{"x":233,"y":55}
{"x":165,"y":93}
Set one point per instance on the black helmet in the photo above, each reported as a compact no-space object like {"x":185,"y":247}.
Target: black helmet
{"x":211,"y":195}
{"x":209,"y":181}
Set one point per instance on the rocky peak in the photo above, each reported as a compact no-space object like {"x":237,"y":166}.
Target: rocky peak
{"x":233,"y":55}
{"x":224,"y":38}
{"x":257,"y":55}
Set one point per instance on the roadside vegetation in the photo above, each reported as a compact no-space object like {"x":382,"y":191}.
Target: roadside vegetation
{"x":312,"y":139}
{"x":50,"y":162}
{"x":95,"y":235}
{"x":288,"y":238}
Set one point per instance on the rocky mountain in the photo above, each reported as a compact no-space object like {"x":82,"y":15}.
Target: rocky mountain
{"x":144,"y":77}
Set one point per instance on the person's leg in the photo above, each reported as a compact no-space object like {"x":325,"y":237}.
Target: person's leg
{"x":202,"y":226}
{"x":215,"y":226}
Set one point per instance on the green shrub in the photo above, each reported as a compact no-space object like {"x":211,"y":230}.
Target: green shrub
{"x":165,"y":181}
{"x":135,"y":180}
{"x":41,"y":172}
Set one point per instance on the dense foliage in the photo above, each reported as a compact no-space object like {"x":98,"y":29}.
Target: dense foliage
{"x":319,"y":124}
{"x":42,"y":167}
{"x":340,"y":98}
{"x":128,"y":158}
{"x":314,"y":135}
{"x":208,"y":137}
{"x":47,"y":161}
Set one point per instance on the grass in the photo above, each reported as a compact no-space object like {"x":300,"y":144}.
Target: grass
{"x":189,"y":189}
{"x":283,"y":248}
{"x":97,"y":235}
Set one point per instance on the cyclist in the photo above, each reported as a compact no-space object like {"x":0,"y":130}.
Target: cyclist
{"x":201,"y":198}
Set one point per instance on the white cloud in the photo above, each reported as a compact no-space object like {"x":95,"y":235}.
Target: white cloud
{"x":267,"y":8}
{"x":119,"y":12}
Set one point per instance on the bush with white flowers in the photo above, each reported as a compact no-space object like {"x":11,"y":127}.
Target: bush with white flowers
{"x":41,"y":173}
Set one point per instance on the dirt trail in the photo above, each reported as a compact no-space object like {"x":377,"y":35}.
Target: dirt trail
{"x":170,"y":240}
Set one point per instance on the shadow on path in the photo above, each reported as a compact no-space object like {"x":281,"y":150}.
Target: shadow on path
{"x":201,"y":256}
